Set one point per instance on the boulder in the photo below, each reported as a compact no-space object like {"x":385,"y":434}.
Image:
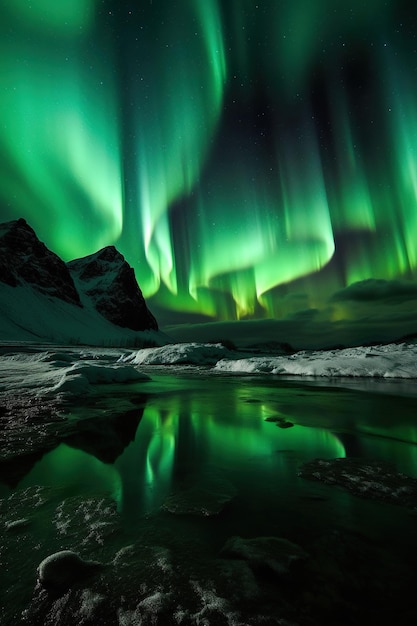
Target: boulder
{"x":62,"y":569}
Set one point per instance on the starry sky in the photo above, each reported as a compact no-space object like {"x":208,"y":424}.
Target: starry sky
{"x":252,"y":159}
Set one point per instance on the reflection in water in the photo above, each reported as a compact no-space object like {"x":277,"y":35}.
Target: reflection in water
{"x":182,"y":437}
{"x":204,"y":466}
{"x":221,"y":429}
{"x":145,"y":467}
{"x":75,"y":471}
{"x":198,"y":467}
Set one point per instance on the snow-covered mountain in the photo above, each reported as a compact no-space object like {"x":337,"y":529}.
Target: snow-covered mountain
{"x":109,"y":285}
{"x":95,"y":300}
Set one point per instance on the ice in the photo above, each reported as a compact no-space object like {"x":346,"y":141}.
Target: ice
{"x":181,"y":354}
{"x":148,"y":611}
{"x":17,"y":524}
{"x":97,"y":518}
{"x":78,"y":378}
{"x":382,"y":361}
{"x":50,"y":373}
{"x":215,"y":609}
{"x":89,"y":603}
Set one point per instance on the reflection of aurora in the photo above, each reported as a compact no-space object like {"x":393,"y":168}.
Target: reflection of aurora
{"x":225,"y":150}
{"x":183,"y":436}
{"x":187,"y":438}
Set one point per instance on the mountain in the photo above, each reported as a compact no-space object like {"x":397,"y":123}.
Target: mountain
{"x":109,"y":283}
{"x":94,"y":300}
{"x":25,"y":259}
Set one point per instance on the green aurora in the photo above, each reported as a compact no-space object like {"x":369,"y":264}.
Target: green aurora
{"x":250,"y":159}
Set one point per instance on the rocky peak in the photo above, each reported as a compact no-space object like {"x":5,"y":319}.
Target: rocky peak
{"x":25,"y":259}
{"x":109,"y":283}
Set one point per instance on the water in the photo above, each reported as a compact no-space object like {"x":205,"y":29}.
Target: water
{"x":204,"y":465}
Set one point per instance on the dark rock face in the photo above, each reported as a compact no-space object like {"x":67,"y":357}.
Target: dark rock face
{"x":25,"y":259}
{"x":110,"y":284}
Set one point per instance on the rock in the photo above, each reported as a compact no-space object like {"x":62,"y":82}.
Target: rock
{"x":273,"y":553}
{"x":109,"y":283}
{"x":281,"y":422}
{"x":374,"y":480}
{"x":25,"y":259}
{"x":284,"y":424}
{"x":204,"y":496}
{"x":238,"y":579}
{"x":87,"y":522}
{"x":62,"y":569}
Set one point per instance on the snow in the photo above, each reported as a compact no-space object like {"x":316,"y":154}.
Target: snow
{"x":381,"y":361}
{"x":181,"y":353}
{"x":75,"y":372}
{"x":80,"y":376}
{"x":40,"y":371}
{"x":28,"y":315}
{"x":47,"y":372}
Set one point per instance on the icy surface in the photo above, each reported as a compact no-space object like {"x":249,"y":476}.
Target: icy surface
{"x":181,"y":353}
{"x":381,"y":361}
{"x":50,"y":372}
{"x":40,"y":387}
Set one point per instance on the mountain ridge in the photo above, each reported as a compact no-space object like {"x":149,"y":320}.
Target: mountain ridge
{"x":94,"y":300}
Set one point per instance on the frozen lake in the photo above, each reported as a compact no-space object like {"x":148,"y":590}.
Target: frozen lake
{"x":184,"y":485}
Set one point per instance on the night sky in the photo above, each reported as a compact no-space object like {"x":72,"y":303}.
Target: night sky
{"x":251,"y":159}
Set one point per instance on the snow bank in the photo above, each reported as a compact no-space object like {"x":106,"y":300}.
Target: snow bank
{"x":180,"y":354}
{"x":383,"y":361}
{"x":49,"y":372}
{"x":79,"y":377}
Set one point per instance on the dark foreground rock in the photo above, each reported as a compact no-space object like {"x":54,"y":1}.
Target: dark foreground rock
{"x":274,"y":553}
{"x":365,"y":478}
{"x":60,"y":570}
{"x":207,"y":497}
{"x":161,"y":574}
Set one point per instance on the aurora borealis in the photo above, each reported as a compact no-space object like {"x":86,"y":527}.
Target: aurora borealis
{"x":250,"y":159}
